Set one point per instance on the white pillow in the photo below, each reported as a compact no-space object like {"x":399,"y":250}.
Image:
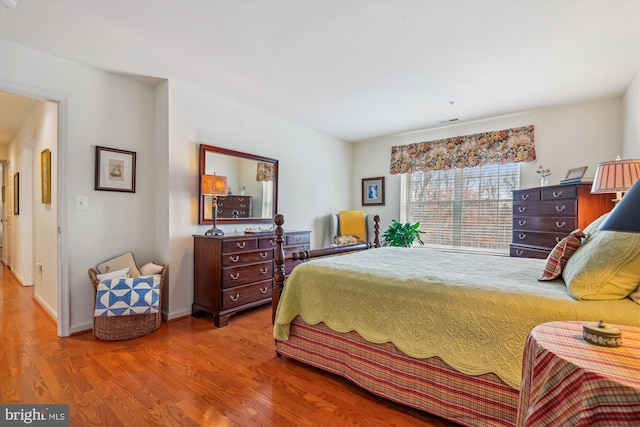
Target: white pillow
{"x":114,"y":274}
{"x":150,"y":269}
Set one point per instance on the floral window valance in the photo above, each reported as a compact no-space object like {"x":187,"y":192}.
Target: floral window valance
{"x":264,"y":172}
{"x":497,"y":147}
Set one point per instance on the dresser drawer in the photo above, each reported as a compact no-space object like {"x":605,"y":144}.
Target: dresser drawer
{"x":526,"y":195}
{"x":556,"y":193}
{"x":267,"y":242}
{"x":517,"y":251}
{"x":297,"y":239}
{"x":557,"y":208}
{"x":241,"y":258}
{"x":240,"y":295}
{"x":240,"y":244}
{"x":236,"y":276}
{"x":230,"y":212}
{"x":540,"y":223}
{"x":540,"y":240}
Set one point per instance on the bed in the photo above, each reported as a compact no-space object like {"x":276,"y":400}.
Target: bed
{"x":442,"y":332}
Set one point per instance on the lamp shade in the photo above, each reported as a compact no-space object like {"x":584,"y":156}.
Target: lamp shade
{"x":625,"y":216}
{"x":214,"y":185}
{"x":616,"y":176}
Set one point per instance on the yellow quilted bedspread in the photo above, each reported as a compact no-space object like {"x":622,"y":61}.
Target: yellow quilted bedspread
{"x":473,"y":311}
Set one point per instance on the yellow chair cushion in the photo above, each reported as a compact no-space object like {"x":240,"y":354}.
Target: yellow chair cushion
{"x":352,"y":224}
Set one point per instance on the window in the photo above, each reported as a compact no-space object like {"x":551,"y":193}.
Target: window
{"x":469,"y":208}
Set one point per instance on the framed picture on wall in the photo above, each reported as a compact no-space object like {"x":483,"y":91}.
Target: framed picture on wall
{"x":45,"y":175}
{"x":115,"y":170}
{"x":373,"y":191}
{"x":16,"y":193}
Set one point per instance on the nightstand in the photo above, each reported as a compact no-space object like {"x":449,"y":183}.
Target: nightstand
{"x":567,"y":381}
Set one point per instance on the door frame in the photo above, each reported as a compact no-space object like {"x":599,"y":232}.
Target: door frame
{"x":64,"y":324}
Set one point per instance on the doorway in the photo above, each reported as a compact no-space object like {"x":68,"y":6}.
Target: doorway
{"x":36,"y":229}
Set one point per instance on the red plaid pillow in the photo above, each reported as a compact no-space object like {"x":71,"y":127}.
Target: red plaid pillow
{"x":560,"y":254}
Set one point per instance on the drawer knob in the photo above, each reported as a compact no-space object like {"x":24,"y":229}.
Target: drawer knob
{"x":264,"y":290}
{"x":560,"y":224}
{"x":522,"y":236}
{"x":240,"y":244}
{"x":234,"y":298}
{"x":519,"y":252}
{"x":264,"y":270}
{"x":234,"y":277}
{"x":558,"y":194}
{"x":525,"y":196}
{"x":243,"y":205}
{"x":522,"y":222}
{"x":558,"y":239}
{"x":522,"y":209}
{"x":263,"y":254}
{"x":272,"y":242}
{"x":234,"y":258}
{"x":561,"y":208}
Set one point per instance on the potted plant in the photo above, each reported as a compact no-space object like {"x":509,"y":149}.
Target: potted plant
{"x":402,"y":234}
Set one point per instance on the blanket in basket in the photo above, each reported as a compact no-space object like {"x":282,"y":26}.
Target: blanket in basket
{"x":128,"y":295}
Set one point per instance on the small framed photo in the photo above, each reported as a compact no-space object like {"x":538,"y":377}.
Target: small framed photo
{"x":576,"y":173}
{"x":373,"y":191}
{"x":115,"y":170}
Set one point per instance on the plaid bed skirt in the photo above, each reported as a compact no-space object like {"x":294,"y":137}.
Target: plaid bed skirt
{"x":429,"y":385}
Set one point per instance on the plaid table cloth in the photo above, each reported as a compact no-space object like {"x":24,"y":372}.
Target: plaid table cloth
{"x":567,"y":381}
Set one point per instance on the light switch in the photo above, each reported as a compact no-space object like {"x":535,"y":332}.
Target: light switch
{"x":82,"y":202}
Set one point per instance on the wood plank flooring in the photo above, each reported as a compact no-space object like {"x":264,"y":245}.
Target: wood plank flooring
{"x":188,"y":373}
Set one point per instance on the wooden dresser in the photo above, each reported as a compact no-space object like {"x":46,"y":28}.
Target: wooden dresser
{"x":234,"y":206}
{"x":235,"y":272}
{"x":542,"y":216}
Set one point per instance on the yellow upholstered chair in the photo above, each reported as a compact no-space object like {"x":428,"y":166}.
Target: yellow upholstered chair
{"x":351,"y":223}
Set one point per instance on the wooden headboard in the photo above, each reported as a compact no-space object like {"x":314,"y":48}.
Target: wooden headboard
{"x":280,"y":257}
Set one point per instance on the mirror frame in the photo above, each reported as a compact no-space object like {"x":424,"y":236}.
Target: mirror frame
{"x":204,"y":149}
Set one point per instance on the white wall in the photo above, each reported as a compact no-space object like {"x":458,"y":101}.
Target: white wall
{"x":314,"y":172}
{"x":631,"y":122}
{"x":565,"y":137}
{"x":102,"y":109}
{"x":41,"y":126}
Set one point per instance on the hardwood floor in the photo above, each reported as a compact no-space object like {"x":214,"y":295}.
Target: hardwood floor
{"x":187,"y":373}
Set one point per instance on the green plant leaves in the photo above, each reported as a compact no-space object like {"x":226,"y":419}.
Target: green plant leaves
{"x":402,"y":234}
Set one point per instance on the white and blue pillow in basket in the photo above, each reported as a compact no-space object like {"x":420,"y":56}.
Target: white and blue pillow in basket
{"x":121,"y":296}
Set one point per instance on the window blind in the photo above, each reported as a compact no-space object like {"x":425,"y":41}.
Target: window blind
{"x":468,"y":209}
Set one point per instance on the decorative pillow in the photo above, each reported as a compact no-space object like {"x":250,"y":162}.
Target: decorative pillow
{"x":605,"y":267}
{"x":120,"y":262}
{"x":591,"y":228}
{"x":560,"y":254}
{"x":113,"y":275}
{"x":346,"y":240}
{"x":150,"y":268}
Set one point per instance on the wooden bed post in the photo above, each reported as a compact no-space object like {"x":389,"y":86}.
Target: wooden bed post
{"x":376,"y":231}
{"x":278,"y":272}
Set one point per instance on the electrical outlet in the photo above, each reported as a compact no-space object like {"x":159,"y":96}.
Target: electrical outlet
{"x":82,"y":202}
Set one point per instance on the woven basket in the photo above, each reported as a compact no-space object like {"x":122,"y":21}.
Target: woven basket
{"x":116,"y":328}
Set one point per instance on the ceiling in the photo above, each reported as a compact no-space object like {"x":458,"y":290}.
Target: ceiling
{"x":351,"y":69}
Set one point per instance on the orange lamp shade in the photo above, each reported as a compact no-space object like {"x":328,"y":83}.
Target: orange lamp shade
{"x":214,"y":185}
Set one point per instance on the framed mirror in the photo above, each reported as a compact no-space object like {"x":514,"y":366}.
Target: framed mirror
{"x":252,"y":186}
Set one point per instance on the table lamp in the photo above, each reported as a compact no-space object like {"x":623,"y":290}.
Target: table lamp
{"x":625,"y":216}
{"x":616,"y":176}
{"x":214,"y":185}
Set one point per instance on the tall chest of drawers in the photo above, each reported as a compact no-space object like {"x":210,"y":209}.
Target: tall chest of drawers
{"x":235,"y":272}
{"x":234,"y":206}
{"x":542,"y":216}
